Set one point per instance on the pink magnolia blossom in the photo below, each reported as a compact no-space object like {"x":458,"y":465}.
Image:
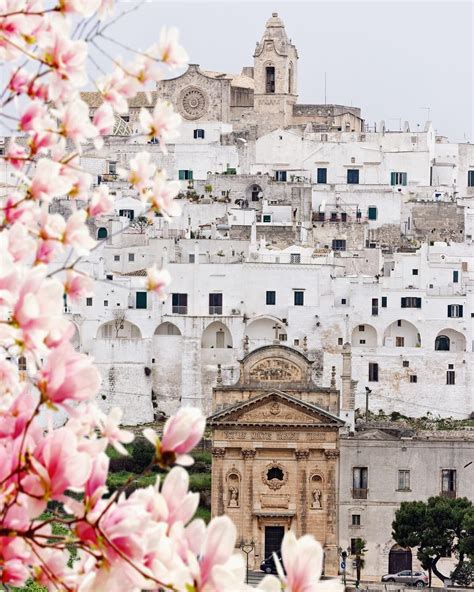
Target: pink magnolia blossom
{"x":83,"y":7}
{"x":161,"y":196}
{"x":68,"y":376}
{"x":75,"y":122}
{"x":67,"y":60}
{"x":77,"y":286}
{"x":47,"y":181}
{"x":181,"y":433}
{"x":109,"y":426}
{"x":77,"y":234}
{"x":95,"y":486}
{"x":157,"y":281}
{"x":16,"y":155}
{"x":57,"y":465}
{"x":116,"y":89}
{"x":101,"y":202}
{"x":104,"y":119}
{"x":141,"y":171}
{"x":162,"y":123}
{"x":168,"y":50}
{"x":32,"y":118}
{"x":180,"y":503}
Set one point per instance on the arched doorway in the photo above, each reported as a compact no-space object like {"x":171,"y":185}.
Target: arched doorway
{"x":102,"y":233}
{"x":216,"y":335}
{"x":364,"y":336}
{"x":402,"y":333}
{"x":442,"y":343}
{"x":399,"y":559}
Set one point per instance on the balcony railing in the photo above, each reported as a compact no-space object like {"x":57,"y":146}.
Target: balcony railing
{"x":215,"y":310}
{"x":179,"y":310}
{"x":360,"y":493}
{"x":448,"y":494}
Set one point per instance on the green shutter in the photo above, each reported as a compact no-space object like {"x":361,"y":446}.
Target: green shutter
{"x":181,"y":175}
{"x":141,"y":300}
{"x":393,"y":178}
{"x":190,"y":175}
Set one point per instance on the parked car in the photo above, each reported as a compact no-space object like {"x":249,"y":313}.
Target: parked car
{"x":268,"y":564}
{"x":412,"y":578}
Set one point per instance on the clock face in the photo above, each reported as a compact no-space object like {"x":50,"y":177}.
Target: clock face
{"x":192,"y":102}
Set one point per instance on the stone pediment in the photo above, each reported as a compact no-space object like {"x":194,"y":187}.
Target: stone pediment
{"x":274,"y":408}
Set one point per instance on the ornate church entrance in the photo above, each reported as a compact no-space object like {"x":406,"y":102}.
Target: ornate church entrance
{"x":276,"y":453}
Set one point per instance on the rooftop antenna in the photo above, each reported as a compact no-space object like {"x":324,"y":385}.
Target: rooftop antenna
{"x":429,"y":112}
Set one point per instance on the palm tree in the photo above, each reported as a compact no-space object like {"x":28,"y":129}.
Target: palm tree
{"x":360,"y":551}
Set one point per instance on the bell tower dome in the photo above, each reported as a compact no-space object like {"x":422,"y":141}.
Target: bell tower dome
{"x":275,"y":71}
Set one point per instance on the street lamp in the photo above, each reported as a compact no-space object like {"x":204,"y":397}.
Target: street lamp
{"x":247,"y":548}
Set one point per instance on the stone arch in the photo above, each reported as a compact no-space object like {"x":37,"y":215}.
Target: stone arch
{"x":167,"y":329}
{"x":216,"y":335}
{"x":76,"y":337}
{"x":254,"y":193}
{"x":270,"y":77}
{"x":119,"y":330}
{"x":102,"y":233}
{"x":399,"y":559}
{"x":450,"y":340}
{"x":265,"y":330}
{"x":364,"y":336}
{"x":402,"y":333}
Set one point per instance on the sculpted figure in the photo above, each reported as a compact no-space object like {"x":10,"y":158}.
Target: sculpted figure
{"x":316,"y":499}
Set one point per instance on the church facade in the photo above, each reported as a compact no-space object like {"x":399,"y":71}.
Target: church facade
{"x":263,"y":97}
{"x":276,"y":453}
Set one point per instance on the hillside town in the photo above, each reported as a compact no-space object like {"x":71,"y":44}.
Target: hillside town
{"x":321,"y":308}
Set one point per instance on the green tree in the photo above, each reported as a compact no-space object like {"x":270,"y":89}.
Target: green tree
{"x":141,"y":224}
{"x":360,"y":551}
{"x":436,"y":527}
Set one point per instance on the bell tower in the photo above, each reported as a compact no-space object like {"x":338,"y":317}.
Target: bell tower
{"x":275,"y":75}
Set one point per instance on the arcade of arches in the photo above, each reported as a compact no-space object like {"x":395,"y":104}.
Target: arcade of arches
{"x":276,"y":453}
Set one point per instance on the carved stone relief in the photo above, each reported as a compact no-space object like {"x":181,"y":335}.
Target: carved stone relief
{"x":276,"y":370}
{"x":275,"y":476}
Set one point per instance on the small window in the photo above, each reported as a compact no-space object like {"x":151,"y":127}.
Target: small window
{"x":403,"y":480}
{"x":22,"y":364}
{"x":448,"y":481}
{"x":131,"y":256}
{"x":413,"y":378}
{"x":198,"y":134}
{"x":375,"y":307}
{"x":414,"y":272}
{"x":280,"y":176}
{"x":141,"y":300}
{"x":373,"y":372}
{"x":399,"y":341}
{"x":360,"y":482}
{"x":362,"y":341}
{"x":340,"y":341}
{"x":343,"y":300}
{"x":411,"y":302}
{"x":125,"y":118}
{"x":322,"y":176}
{"x":215,"y":304}
{"x":109,"y":276}
{"x":179,"y":303}
{"x":267,"y":218}
{"x":116,"y":257}
{"x":106,"y":303}
{"x":295,"y":258}
{"x":361,"y":328}
{"x":338,"y":244}
{"x":112,"y":168}
{"x":353,"y":176}
{"x":406,"y":364}
{"x":185,"y":175}
{"x":275,"y":473}
{"x":384,"y":302}
{"x":299,"y":298}
{"x":270,"y":298}
{"x":296,"y":342}
{"x":470,"y":178}
{"x":398,"y":178}
{"x":455,"y":277}
{"x":191,"y":258}
{"x":372,"y":213}
{"x":355,"y":519}
{"x":450,"y":377}
{"x":270,"y":80}
{"x":455,"y":310}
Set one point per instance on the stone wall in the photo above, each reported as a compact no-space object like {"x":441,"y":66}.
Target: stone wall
{"x":438,"y":221}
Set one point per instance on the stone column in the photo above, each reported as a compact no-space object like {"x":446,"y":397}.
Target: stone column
{"x":247,"y":494}
{"x":330,"y":546}
{"x":347,"y":401}
{"x":217,"y":498}
{"x":301,"y":489}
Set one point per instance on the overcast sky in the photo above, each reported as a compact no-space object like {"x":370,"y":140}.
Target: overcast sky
{"x":392,"y":59}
